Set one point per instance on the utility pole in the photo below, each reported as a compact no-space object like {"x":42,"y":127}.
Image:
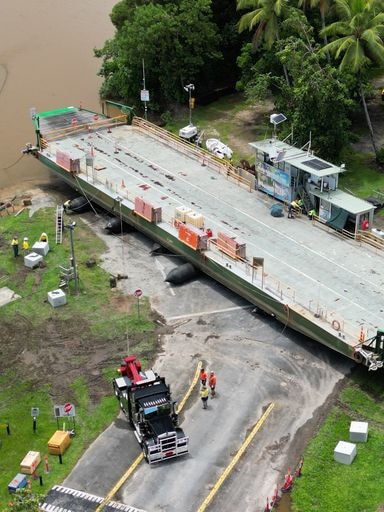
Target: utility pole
{"x":144,"y":94}
{"x":71,"y":227}
{"x":189,"y":88}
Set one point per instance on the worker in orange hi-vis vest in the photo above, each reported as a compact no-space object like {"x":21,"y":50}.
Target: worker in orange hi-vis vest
{"x":212,"y":383}
{"x":203,"y":377}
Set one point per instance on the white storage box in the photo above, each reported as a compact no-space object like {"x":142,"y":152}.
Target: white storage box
{"x":358,"y":432}
{"x":344,"y":452}
{"x":57,"y":298}
{"x":41,"y":248}
{"x":32,"y":260}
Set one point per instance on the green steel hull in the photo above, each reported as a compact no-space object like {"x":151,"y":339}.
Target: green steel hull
{"x":221,"y":274}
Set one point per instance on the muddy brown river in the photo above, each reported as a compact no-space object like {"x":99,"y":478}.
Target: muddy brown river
{"x":46,"y":61}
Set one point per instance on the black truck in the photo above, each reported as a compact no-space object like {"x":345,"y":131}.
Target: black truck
{"x":146,"y":401}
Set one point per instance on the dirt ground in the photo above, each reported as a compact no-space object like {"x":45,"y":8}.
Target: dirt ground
{"x":55,"y":353}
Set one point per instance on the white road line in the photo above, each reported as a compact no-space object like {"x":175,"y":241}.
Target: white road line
{"x":205,"y":313}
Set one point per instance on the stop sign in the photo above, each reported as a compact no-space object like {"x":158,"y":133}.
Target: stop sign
{"x":67,"y":408}
{"x":138,"y":293}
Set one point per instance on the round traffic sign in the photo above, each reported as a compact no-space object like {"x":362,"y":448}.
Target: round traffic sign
{"x":138,"y":293}
{"x":67,"y":408}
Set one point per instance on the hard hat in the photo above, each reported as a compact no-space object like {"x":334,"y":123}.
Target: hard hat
{"x":212,"y":372}
{"x":25,"y":238}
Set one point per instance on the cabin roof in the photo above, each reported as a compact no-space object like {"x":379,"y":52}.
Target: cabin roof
{"x":280,"y":151}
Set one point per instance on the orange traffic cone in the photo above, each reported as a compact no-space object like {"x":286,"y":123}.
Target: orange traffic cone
{"x":122,"y":184}
{"x":362,"y":335}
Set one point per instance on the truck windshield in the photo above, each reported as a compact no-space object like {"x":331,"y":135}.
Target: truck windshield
{"x":157,"y":410}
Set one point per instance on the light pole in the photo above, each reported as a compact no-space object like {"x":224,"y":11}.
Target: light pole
{"x":71,"y":227}
{"x":189,"y":88}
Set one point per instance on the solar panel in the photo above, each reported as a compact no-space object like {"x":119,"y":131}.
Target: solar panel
{"x":317,"y":164}
{"x":277,"y":118}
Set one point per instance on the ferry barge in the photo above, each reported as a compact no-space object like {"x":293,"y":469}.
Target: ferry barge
{"x":303,"y":273}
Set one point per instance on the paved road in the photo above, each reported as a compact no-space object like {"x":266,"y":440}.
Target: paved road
{"x":257,"y":362}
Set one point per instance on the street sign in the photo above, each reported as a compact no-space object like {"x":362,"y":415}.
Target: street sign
{"x":67,"y":408}
{"x":138,"y":293}
{"x":35,"y":412}
{"x":144,"y":95}
{"x":64,"y":411}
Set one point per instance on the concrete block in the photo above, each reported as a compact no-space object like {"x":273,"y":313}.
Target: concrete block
{"x":57,"y":298}
{"x":32,"y":260}
{"x":358,"y":431}
{"x":344,"y":452}
{"x":41,"y":248}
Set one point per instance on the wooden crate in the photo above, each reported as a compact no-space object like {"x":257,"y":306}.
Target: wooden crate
{"x":30,"y":462}
{"x":59,"y":442}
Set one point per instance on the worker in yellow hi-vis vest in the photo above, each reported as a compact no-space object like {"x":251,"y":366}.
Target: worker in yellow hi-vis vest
{"x":15,"y":245}
{"x":25,"y":245}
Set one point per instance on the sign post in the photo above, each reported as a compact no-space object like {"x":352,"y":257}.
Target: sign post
{"x":138,"y":293}
{"x":35,"y":411}
{"x":65,"y":411}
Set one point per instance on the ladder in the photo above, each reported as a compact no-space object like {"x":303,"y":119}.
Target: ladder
{"x":305,"y":197}
{"x":59,"y":224}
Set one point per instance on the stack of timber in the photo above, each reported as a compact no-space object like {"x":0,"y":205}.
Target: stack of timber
{"x":231,"y":246}
{"x":147,"y":210}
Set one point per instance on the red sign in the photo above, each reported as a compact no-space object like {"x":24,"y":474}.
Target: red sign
{"x":67,"y":408}
{"x":138,"y":293}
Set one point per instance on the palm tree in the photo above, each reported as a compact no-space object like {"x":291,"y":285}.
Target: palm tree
{"x":324,"y":7}
{"x":358,"y":44}
{"x":264,"y":16}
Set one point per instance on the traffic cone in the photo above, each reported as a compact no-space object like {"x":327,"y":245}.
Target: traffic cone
{"x":288,"y":482}
{"x":299,"y":467}
{"x":122,"y":184}
{"x":275,"y":498}
{"x":267,"y":509}
{"x":46,"y":464}
{"x":362,"y":335}
{"x":203,"y":164}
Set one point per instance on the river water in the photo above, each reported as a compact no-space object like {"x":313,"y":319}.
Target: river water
{"x":46,"y":61}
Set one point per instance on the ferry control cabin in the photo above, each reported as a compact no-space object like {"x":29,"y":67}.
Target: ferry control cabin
{"x":288,"y":173}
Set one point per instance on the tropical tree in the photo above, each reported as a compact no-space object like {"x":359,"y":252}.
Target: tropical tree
{"x":358,"y":42}
{"x":264,"y":18}
{"x":323,"y":6}
{"x":177,"y":40}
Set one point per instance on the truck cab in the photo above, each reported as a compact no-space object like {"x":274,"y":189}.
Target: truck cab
{"x":146,"y":401}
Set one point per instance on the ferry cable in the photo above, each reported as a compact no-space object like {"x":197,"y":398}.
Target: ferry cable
{"x":14,"y":163}
{"x":86,"y":197}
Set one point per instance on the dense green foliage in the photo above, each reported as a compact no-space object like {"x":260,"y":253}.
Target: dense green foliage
{"x":314,"y":57}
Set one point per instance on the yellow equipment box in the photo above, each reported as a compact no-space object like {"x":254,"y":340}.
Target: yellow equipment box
{"x":30,"y":462}
{"x":59,"y":442}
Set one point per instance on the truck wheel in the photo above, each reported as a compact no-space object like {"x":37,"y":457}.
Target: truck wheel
{"x":145,"y":452}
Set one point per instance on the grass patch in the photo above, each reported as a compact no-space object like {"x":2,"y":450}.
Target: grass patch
{"x":220,"y":120}
{"x":67,"y":337}
{"x":328,"y":485}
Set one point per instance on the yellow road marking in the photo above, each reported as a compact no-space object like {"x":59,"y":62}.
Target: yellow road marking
{"x":235,"y":460}
{"x":139,"y":459}
{"x":193,"y":384}
{"x":117,"y":486}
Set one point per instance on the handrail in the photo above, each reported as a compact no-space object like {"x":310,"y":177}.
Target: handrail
{"x":93,"y":125}
{"x":201,"y":154}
